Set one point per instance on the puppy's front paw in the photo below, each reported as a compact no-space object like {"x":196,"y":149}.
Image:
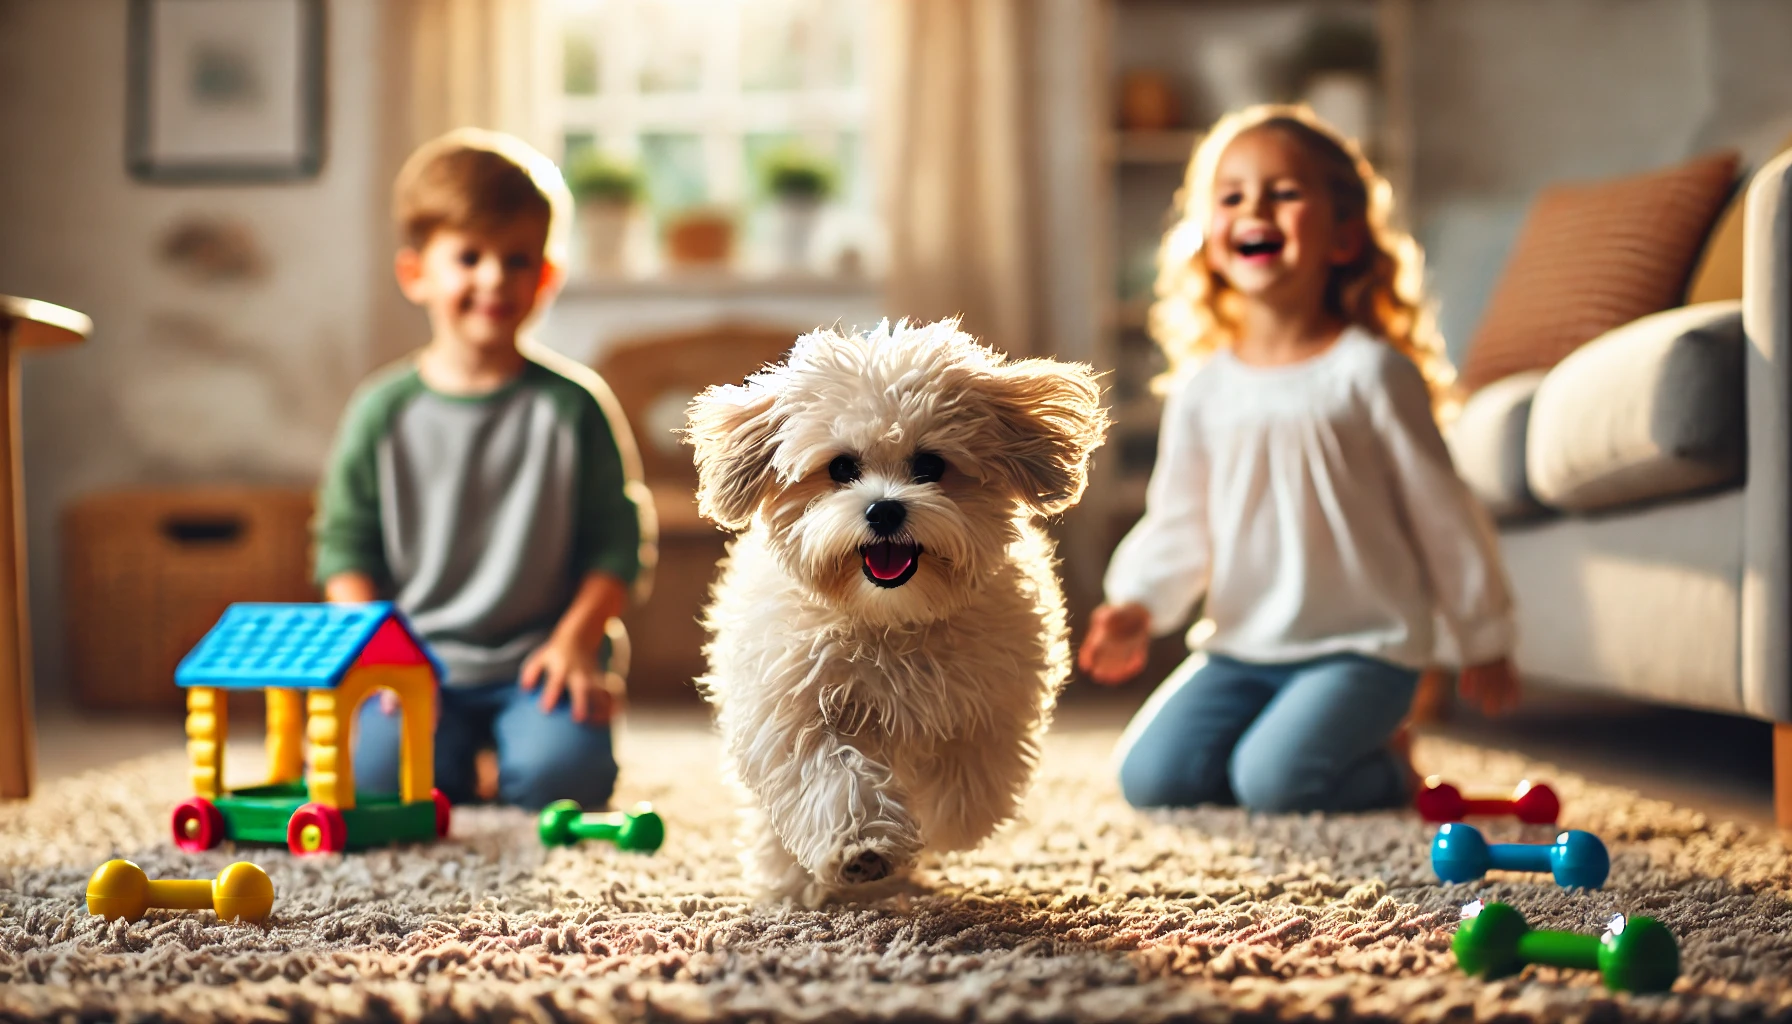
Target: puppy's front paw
{"x":861,"y":864}
{"x":868,"y":866}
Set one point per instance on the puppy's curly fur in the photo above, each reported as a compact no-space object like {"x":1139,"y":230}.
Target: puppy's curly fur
{"x":888,"y":633}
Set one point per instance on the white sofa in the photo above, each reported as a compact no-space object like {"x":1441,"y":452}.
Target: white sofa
{"x":1644,"y":492}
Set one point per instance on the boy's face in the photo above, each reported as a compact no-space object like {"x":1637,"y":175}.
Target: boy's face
{"x":478,"y":286}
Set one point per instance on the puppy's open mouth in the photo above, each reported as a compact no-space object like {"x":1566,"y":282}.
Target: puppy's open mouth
{"x":889,"y":563}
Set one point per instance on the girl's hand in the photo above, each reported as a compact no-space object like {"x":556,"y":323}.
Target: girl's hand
{"x":560,"y":666}
{"x":1117,"y":644}
{"x":1492,"y":687}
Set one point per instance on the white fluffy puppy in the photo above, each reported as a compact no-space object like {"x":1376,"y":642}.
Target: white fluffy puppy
{"x":888,"y":634}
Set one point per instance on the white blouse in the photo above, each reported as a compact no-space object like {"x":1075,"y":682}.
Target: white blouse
{"x":1316,"y":507}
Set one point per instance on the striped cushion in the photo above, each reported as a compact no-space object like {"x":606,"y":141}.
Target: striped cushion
{"x":1595,"y":256}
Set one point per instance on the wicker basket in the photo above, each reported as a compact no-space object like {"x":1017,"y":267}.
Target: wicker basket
{"x":146,"y":573}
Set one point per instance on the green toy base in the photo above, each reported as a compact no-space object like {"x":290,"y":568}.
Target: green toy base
{"x":259,"y":814}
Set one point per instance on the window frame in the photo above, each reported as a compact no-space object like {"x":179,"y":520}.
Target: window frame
{"x":721,"y":112}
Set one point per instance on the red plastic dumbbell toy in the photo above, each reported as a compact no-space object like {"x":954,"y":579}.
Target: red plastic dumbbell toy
{"x":1530,"y":802}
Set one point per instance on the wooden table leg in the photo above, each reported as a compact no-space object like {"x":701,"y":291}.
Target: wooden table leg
{"x":18,"y":755}
{"x":1782,"y":774}
{"x":24,"y":323}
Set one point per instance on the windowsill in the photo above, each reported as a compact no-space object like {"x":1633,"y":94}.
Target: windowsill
{"x":594,"y":313}
{"x":719,"y":283}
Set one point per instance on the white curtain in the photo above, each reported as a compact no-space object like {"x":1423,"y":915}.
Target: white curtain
{"x":953,"y":145}
{"x":478,"y":63}
{"x":449,"y":64}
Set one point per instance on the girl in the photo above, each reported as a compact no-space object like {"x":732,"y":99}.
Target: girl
{"x":1302,"y":485}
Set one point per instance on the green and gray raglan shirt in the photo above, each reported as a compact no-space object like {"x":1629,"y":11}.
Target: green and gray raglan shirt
{"x":481,"y":515}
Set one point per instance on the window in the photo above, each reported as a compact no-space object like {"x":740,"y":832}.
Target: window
{"x":698,"y":95}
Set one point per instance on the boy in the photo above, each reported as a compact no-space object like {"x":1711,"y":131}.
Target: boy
{"x":491,"y":489}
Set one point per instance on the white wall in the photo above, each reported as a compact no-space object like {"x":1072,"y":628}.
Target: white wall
{"x":1512,"y":95}
{"x":180,"y":382}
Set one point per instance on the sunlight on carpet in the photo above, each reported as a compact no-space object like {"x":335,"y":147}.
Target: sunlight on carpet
{"x":1084,"y":911}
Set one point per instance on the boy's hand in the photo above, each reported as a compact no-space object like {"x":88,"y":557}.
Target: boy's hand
{"x":1491,"y":687}
{"x":350,"y":588}
{"x":1118,"y":642}
{"x":560,"y":666}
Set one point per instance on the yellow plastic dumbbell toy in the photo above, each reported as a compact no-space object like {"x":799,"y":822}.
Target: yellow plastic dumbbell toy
{"x":120,"y":889}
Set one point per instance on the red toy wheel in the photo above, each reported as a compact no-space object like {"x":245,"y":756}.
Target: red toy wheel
{"x":314,"y":829}
{"x":444,"y":812}
{"x":198,"y":825}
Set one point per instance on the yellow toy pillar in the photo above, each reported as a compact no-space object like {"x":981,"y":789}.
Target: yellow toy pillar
{"x":286,"y":735}
{"x":208,"y":721}
{"x":332,"y":777}
{"x":331,"y":781}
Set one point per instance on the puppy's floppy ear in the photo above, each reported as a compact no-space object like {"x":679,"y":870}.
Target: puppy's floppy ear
{"x":733,"y":428}
{"x":1047,"y":420}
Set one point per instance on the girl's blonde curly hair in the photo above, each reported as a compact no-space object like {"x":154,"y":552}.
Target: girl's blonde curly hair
{"x":1381,"y":290}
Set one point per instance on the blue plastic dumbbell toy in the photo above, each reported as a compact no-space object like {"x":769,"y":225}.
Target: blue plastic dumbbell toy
{"x":1577,"y":859}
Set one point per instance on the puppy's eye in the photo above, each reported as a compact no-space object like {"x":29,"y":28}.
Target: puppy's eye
{"x":928,"y":468}
{"x":844,"y":469}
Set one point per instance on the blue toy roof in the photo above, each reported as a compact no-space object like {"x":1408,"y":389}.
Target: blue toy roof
{"x":291,"y":646}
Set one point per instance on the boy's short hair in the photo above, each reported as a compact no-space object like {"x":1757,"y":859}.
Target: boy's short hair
{"x":472,"y":179}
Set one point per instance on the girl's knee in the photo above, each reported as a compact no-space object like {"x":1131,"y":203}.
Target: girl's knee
{"x":1147,"y":781}
{"x":1144,"y":785}
{"x":1277,"y":785}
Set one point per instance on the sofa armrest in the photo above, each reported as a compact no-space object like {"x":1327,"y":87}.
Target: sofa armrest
{"x":1766,"y":638}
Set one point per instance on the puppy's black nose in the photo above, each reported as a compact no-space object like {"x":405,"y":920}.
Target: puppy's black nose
{"x":886,"y":516}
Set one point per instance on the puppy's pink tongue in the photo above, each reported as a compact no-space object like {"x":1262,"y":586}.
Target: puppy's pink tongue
{"x":887,"y":560}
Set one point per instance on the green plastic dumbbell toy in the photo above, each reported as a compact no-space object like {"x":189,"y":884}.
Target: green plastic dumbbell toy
{"x":564,"y":823}
{"x":1635,"y":954}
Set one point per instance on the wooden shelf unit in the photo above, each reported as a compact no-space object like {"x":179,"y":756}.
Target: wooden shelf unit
{"x":1141,"y":172}
{"x":1168,"y":147}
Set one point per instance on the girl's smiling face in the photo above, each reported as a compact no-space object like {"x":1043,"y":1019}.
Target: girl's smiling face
{"x":1271,"y":231}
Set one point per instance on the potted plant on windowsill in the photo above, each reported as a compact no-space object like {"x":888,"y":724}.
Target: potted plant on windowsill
{"x":700,"y":238}
{"x":798,"y":182}
{"x":607,"y":192}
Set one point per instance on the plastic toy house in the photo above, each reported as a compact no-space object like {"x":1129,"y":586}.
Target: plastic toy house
{"x":317,"y":663}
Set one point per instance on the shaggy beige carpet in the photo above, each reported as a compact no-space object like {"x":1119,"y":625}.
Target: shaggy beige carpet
{"x":1084,"y":911}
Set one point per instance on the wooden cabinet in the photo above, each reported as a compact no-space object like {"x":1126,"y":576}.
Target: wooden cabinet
{"x":147,"y":572}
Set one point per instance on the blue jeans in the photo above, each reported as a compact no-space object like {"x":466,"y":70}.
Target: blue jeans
{"x":1310,"y":736}
{"x":541,"y":757}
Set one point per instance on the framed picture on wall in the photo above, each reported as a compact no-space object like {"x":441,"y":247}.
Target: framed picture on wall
{"x":225,"y":90}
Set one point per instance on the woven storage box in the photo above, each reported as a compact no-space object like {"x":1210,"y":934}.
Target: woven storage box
{"x":146,"y":573}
